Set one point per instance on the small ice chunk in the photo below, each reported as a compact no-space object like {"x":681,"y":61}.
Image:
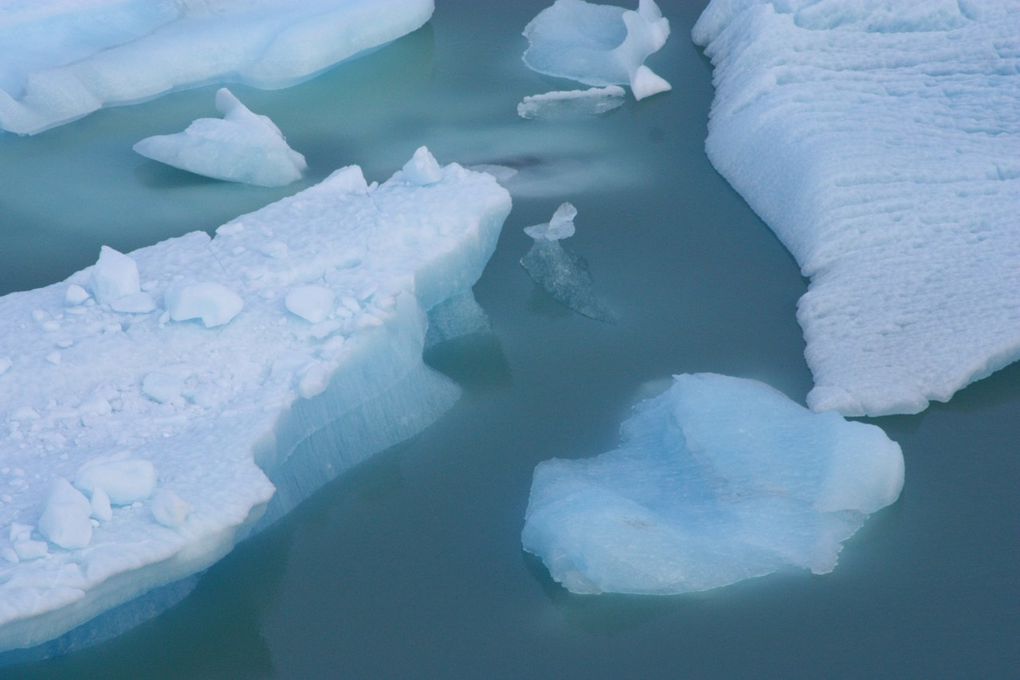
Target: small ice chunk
{"x":213,"y":303}
{"x":565,"y":104}
{"x":162,"y":387}
{"x":560,"y":226}
{"x":242,"y":147}
{"x":314,"y":380}
{"x":136,"y":303}
{"x":125,"y":480}
{"x":54,"y":358}
{"x":75,"y":295}
{"x":502,"y":173}
{"x":114,"y":276}
{"x":311,"y":303}
{"x":96,"y":406}
{"x":65,"y":518}
{"x":422,"y":169}
{"x":30,"y":550}
{"x":100,"y":504}
{"x":598,"y":44}
{"x":169,"y":509}
{"x":644,"y":83}
{"x":716,"y":480}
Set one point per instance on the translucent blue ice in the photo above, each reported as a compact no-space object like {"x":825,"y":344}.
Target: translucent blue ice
{"x":716,"y":480}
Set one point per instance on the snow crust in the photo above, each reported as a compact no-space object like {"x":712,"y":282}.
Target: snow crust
{"x":63,"y":59}
{"x":568,"y":104}
{"x":598,"y":44}
{"x":716,"y":480}
{"x":180,"y":437}
{"x":880,"y":141}
{"x":241,"y":147}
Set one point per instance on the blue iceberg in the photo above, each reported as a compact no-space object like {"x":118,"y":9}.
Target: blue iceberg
{"x":716,"y":480}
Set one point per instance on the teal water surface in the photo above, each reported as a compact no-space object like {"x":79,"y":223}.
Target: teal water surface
{"x":410,"y":565}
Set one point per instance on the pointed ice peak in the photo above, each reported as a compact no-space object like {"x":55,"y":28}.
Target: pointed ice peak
{"x":423,"y":169}
{"x":559,"y":227}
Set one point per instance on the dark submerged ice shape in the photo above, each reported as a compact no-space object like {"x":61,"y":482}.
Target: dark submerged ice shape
{"x":561,"y":272}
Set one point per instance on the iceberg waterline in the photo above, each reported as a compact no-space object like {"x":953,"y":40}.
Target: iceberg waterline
{"x":879,"y":141}
{"x":220,"y":429}
{"x":61,"y":60}
{"x":717,"y":480}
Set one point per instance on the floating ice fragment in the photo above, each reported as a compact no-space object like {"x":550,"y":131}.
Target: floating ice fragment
{"x":598,"y":44}
{"x":899,"y":205}
{"x":242,"y":147}
{"x":717,"y":480}
{"x":422,"y":169}
{"x":561,"y":272}
{"x":124,"y":480}
{"x":65,"y":518}
{"x":311,"y":303}
{"x":213,"y":303}
{"x":114,"y":276}
{"x":560,"y":226}
{"x":566,"y":104}
{"x":169,"y":509}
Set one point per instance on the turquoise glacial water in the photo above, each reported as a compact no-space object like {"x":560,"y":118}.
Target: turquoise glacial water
{"x":410,"y":566}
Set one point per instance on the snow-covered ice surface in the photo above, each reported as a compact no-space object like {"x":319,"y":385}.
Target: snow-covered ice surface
{"x":572,"y":103}
{"x":241,"y":147}
{"x":880,"y":141}
{"x":174,"y":435}
{"x":561,"y":272}
{"x":598,"y":44}
{"x":63,"y":59}
{"x":717,"y":480}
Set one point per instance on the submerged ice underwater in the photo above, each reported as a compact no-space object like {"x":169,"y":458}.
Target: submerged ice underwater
{"x":328,"y":326}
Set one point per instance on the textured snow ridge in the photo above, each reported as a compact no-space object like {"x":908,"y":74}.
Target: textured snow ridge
{"x":177,"y":434}
{"x":63,"y":59}
{"x":716,"y":480}
{"x":598,"y":44}
{"x":241,"y":147}
{"x":880,"y":140}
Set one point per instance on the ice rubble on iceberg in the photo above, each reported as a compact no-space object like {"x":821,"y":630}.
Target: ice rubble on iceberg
{"x":598,"y":44}
{"x":241,"y":147}
{"x":174,"y":435}
{"x":63,"y":59}
{"x":571,"y":103}
{"x":881,"y":142}
{"x":561,"y":272}
{"x":716,"y":480}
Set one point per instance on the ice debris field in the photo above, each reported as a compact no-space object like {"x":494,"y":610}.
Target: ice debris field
{"x":151,"y":403}
{"x":717,"y":480}
{"x":881,"y":142}
{"x":241,"y":147}
{"x":63,"y":59}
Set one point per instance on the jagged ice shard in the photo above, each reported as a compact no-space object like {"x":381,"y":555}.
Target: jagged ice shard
{"x":175,"y":429}
{"x":598,"y":44}
{"x":63,"y":59}
{"x":880,"y":140}
{"x":241,"y":147}
{"x":716,"y":480}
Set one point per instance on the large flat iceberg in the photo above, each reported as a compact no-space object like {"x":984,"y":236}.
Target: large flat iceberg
{"x":880,"y":140}
{"x":716,"y":480}
{"x":139,"y":446}
{"x":63,"y":59}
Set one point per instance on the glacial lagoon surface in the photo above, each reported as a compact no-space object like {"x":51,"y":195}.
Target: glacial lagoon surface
{"x":411,"y":564}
